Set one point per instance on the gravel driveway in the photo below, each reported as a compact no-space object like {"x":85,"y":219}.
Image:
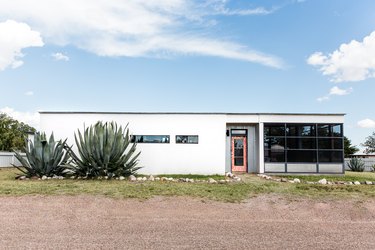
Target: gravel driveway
{"x":264,"y":222}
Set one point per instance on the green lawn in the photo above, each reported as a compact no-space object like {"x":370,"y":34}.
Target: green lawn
{"x":232,"y":192}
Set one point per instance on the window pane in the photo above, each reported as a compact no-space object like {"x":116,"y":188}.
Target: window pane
{"x":274,"y":156}
{"x":301,"y":143}
{"x":190,"y":139}
{"x":238,"y":161}
{"x":324,"y":130}
{"x":330,"y":143}
{"x":239,"y":131}
{"x":331,"y":156}
{"x":274,"y":143}
{"x":337,"y":130}
{"x":301,"y":156}
{"x":300,"y":130}
{"x":150,"y":138}
{"x":274,"y":130}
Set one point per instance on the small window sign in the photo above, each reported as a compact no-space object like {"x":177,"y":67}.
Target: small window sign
{"x":239,"y":131}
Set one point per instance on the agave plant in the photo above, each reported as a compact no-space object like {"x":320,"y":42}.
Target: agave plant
{"x":356,"y":165}
{"x":104,"y":149}
{"x":43,"y":157}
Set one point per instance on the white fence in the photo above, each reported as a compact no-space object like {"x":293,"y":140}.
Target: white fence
{"x":369,"y":162}
{"x":7,"y":159}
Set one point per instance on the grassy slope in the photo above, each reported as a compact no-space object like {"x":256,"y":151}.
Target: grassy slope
{"x":233,"y":192}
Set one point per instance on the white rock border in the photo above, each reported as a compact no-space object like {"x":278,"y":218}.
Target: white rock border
{"x":320,"y":182}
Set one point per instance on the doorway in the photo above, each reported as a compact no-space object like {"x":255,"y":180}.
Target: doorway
{"x":239,"y":153}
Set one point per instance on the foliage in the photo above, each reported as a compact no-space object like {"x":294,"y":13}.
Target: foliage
{"x":349,"y":149}
{"x":104,"y":150}
{"x":44,"y":157}
{"x":356,"y":165}
{"x":370,"y":144}
{"x":13,"y":133}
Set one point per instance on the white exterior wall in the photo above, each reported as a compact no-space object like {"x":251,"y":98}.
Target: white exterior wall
{"x":206,"y":157}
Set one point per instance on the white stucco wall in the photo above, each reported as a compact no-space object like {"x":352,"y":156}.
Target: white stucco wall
{"x":206,"y":157}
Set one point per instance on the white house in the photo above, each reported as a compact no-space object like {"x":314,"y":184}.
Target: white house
{"x":215,"y":143}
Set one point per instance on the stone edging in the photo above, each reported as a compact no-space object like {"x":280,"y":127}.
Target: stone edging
{"x":321,"y":182}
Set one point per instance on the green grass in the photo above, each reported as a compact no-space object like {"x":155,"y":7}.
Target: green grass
{"x":232,"y":192}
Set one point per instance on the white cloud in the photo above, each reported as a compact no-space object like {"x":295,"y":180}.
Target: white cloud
{"x":137,"y":28}
{"x":352,"y":62}
{"x":14,"y":37}
{"x":366,"y":123}
{"x":29,"y":118}
{"x":335,"y":91}
{"x":29,"y":93}
{"x":60,"y":57}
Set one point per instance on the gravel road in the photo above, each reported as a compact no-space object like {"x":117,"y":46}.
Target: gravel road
{"x":264,"y":222}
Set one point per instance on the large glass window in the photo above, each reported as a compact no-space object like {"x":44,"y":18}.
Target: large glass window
{"x":303,"y":143}
{"x":150,"y":138}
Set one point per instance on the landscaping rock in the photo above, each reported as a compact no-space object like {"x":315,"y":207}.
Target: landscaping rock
{"x":144,"y":179}
{"x":368,"y":182}
{"x":284,"y":180}
{"x":330,"y":183}
{"x":230,"y":175}
{"x":132,"y":178}
{"x":268,"y":177}
{"x":121,"y":178}
{"x":222,"y":181}
{"x":151,"y":178}
{"x":157,"y":178}
{"x":291,"y":181}
{"x":191,"y":180}
{"x":22,"y":178}
{"x":170,"y":179}
{"x":322,"y":181}
{"x":278,"y":180}
{"x":55,"y":177}
{"x":163,"y":178}
{"x":210,"y":180}
{"x":60,"y":177}
{"x":139,"y":178}
{"x":357,"y":183}
{"x":237,"y":178}
{"x":44,"y":177}
{"x":296,"y":180}
{"x":340,"y":182}
{"x":310,"y":182}
{"x":349,"y":183}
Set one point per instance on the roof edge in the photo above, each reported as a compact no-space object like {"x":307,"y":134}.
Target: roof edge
{"x":187,"y":113}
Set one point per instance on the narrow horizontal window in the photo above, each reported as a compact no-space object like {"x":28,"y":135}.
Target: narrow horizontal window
{"x":330,"y":143}
{"x":300,"y":130}
{"x":188,"y":139}
{"x":301,"y":143}
{"x":150,"y":138}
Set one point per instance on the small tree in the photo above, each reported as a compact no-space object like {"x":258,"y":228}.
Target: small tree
{"x":369,"y":144}
{"x":349,"y":149}
{"x":13,"y":133}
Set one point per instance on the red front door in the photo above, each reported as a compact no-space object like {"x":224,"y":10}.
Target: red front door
{"x":239,"y":154}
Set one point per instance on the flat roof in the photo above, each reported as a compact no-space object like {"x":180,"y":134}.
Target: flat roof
{"x":187,"y":113}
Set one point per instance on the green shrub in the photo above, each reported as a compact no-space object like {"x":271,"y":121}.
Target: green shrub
{"x":104,"y":150}
{"x":43,"y":157}
{"x":356,"y":165}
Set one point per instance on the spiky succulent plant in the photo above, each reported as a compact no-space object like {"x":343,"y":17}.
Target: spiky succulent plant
{"x":43,"y":157}
{"x":104,"y":149}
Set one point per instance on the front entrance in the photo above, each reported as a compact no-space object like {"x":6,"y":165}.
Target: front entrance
{"x":239,"y":153}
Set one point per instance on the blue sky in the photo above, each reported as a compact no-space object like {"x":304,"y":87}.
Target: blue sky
{"x":179,"y":55}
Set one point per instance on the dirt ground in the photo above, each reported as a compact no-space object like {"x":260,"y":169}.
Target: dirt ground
{"x":264,"y":222}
